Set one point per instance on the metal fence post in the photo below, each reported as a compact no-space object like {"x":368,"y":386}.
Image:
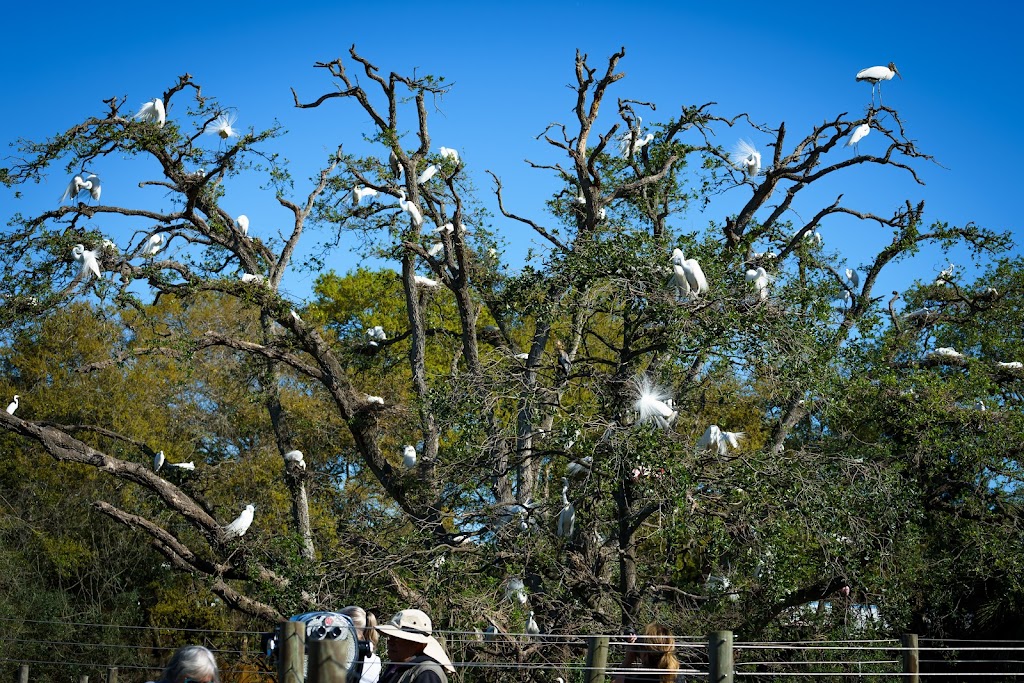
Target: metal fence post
{"x":720,"y":663}
{"x":910,"y":656}
{"x":597,"y":658}
{"x":291,"y":652}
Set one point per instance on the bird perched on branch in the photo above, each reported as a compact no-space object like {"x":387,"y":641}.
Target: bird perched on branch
{"x":859,"y":133}
{"x":359,"y":193}
{"x":875,"y":75}
{"x":630,"y":142}
{"x":153,"y":112}
{"x":428,"y":173}
{"x":450,"y":154}
{"x":295,"y":457}
{"x":746,"y":158}
{"x":376,"y":334}
{"x":581,"y":467}
{"x":408,"y":457}
{"x":759,"y":278}
{"x":516,"y":590}
{"x":158,"y":461}
{"x":714,"y":439}
{"x":567,"y":517}
{"x":222,"y":126}
{"x":88,"y":261}
{"x":410,"y":208}
{"x":532,"y":629}
{"x":652,"y":403}
{"x":183,"y":465}
{"x":241,"y":524}
{"x":13,"y":405}
{"x":154,"y":244}
{"x":78,"y":185}
{"x":687,"y":276}
{"x":243,"y":224}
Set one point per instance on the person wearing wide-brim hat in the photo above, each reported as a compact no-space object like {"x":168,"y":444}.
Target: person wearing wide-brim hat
{"x":415,"y":655}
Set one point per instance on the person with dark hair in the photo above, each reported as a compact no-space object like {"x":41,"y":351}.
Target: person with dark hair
{"x":415,"y":655}
{"x":365,"y":624}
{"x":191,"y":664}
{"x":651,"y":657}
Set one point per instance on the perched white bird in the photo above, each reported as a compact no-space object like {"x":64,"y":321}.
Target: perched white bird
{"x":532,"y":628}
{"x":859,"y":133}
{"x":1012,"y":365}
{"x":746,"y":158}
{"x":13,"y":405}
{"x":720,"y":584}
{"x":687,"y":276}
{"x":581,"y":200}
{"x":628,"y":146}
{"x":979,"y":405}
{"x":652,"y":402}
{"x":74,"y":187}
{"x":567,"y":517}
{"x":714,"y":439}
{"x":241,"y":524}
{"x":158,"y":461}
{"x":946,"y":275}
{"x":422,"y":281}
{"x":522,"y":356}
{"x":295,"y":457}
{"x":183,"y":465}
{"x":87,"y":259}
{"x":947,"y":352}
{"x":408,"y":457}
{"x":154,"y":244}
{"x":516,"y":590}
{"x":448,"y":228}
{"x":759,"y":278}
{"x":153,"y":112}
{"x":358,"y":193}
{"x":490,"y":634}
{"x":925,"y":312}
{"x":249,"y":277}
{"x":375,"y":400}
{"x":411,"y":209}
{"x":451,"y":154}
{"x":222,"y":126}
{"x":243,"y":224}
{"x":435,"y":249}
{"x":853,"y":276}
{"x":875,"y":75}
{"x":377,"y":333}
{"x":428,"y":173}
{"x":581,"y":467}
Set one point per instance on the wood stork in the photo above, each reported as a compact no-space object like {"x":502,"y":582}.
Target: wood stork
{"x":875,"y":75}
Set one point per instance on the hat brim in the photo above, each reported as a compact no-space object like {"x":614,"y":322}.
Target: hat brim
{"x":435,"y":651}
{"x":395,"y":632}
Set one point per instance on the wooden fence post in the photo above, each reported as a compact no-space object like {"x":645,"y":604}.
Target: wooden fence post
{"x":23,"y":673}
{"x":328,"y":660}
{"x":720,"y":664}
{"x":911,"y":657}
{"x":597,"y":659}
{"x":83,"y":679}
{"x":112,"y":675}
{"x":291,"y":652}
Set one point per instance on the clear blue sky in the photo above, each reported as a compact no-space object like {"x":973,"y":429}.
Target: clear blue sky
{"x":510,"y":62}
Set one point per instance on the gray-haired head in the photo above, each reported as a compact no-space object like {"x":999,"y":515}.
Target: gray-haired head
{"x":191,"y":664}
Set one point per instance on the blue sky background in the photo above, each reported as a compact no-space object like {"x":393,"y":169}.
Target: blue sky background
{"x":510,"y":62}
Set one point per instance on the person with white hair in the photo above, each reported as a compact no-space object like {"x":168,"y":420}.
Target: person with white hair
{"x":416,"y":656}
{"x":365,"y":624}
{"x":191,"y":664}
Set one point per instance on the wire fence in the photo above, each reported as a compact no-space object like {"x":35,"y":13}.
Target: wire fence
{"x":139,"y":652}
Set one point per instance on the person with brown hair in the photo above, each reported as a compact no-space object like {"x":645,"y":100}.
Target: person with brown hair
{"x":650,"y":658}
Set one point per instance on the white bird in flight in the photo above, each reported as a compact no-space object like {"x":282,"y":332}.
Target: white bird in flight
{"x":408,"y":457}
{"x":241,"y":524}
{"x":410,"y":208}
{"x":875,"y":75}
{"x":158,"y":461}
{"x":13,"y":405}
{"x":154,"y":244}
{"x":243,"y":224}
{"x":87,"y":259}
{"x":746,"y":158}
{"x":359,"y":193}
{"x":451,"y":154}
{"x":153,"y":112}
{"x":759,"y":278}
{"x":223,"y":126}
{"x":652,"y":402}
{"x":295,"y":457}
{"x":567,"y":517}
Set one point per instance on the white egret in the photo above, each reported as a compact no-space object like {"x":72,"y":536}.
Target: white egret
{"x":74,"y":187}
{"x":875,"y":75}
{"x":581,"y":200}
{"x":358,"y":193}
{"x":567,"y":517}
{"x":490,"y":634}
{"x":448,"y":228}
{"x":947,"y":352}
{"x":687,"y":276}
{"x":158,"y":461}
{"x":853,"y":276}
{"x":516,"y":590}
{"x":532,"y":628}
{"x":522,"y":356}
{"x":408,"y":457}
{"x":1012,"y":365}
{"x":652,"y":402}
{"x":435,"y":249}
{"x":979,"y":405}
{"x":581,"y":467}
{"x":377,"y":333}
{"x":451,"y":154}
{"x":428,"y":173}
{"x":714,"y":439}
{"x":394,"y":164}
{"x":93,"y":185}
{"x":13,"y":405}
{"x":243,"y":224}
{"x":222,"y":126}
{"x":746,"y":158}
{"x":153,"y":112}
{"x":154,"y":244}
{"x":422,"y":281}
{"x":295,"y":457}
{"x":87,"y":259}
{"x":859,"y":133}
{"x":183,"y":465}
{"x":946,"y":275}
{"x":410,"y":208}
{"x":375,"y":400}
{"x":241,"y":524}
{"x":628,"y":146}
{"x":249,"y":277}
{"x":759,"y":278}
